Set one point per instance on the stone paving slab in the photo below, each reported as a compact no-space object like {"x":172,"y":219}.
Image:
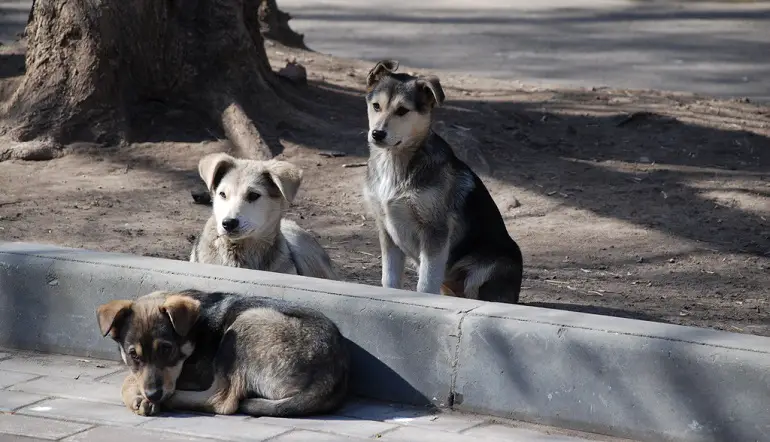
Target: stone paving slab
{"x":13,"y":400}
{"x":217,"y":427}
{"x":8,"y":378}
{"x":12,"y":438}
{"x":17,"y":425}
{"x":61,"y":398}
{"x":102,"y":434}
{"x":81,"y":389}
{"x":83,"y":411}
{"x":346,"y":426}
{"x":59,"y":366}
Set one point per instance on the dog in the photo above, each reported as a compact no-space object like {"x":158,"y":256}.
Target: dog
{"x":246,"y":228}
{"x":223,"y":353}
{"x":428,"y":205}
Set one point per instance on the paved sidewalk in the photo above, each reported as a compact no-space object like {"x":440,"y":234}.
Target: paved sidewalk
{"x":52,"y":397}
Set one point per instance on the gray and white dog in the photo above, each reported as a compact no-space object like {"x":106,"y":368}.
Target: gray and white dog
{"x":246,"y":228}
{"x":429,"y":206}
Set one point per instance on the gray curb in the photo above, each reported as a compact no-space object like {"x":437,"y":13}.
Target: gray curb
{"x":593,"y":373}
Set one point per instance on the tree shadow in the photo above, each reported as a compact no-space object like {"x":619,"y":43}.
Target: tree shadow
{"x":597,"y":310}
{"x":651,"y":162}
{"x":637,"y":169}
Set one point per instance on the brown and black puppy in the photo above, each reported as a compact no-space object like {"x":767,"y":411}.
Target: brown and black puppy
{"x":223,"y":353}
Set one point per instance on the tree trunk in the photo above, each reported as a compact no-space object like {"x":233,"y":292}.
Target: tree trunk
{"x":93,"y":66}
{"x":274,"y":25}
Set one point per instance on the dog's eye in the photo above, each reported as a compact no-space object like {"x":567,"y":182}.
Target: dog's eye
{"x":133,"y":354}
{"x":401,"y":111}
{"x":376,"y":107}
{"x":252,"y":196}
{"x":164,"y":350}
{"x":222,"y":195}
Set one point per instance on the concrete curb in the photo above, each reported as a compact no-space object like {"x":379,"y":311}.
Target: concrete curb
{"x":607,"y":375}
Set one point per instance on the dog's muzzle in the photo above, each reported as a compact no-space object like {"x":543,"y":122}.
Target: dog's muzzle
{"x":379,"y":135}
{"x":230,"y":224}
{"x":154,"y":395}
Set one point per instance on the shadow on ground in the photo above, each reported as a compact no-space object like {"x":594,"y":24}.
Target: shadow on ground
{"x":634,"y":169}
{"x":11,"y":65}
{"x":633,"y":158}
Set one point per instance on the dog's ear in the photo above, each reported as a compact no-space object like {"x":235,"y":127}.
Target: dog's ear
{"x":183,"y":312}
{"x":213,"y":167}
{"x":286,"y":176}
{"x":382,"y":67}
{"x":111,"y":317}
{"x":431,"y":87}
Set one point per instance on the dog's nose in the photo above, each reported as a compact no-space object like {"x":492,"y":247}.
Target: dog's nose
{"x":153,"y":395}
{"x":379,"y":135}
{"x":230,"y":224}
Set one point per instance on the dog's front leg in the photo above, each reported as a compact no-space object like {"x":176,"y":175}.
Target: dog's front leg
{"x":393,"y":261}
{"x":222,"y":397}
{"x":434,"y":254}
{"x":135,"y":400}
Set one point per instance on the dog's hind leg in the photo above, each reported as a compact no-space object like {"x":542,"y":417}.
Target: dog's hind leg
{"x":501,"y":288}
{"x":194,"y":400}
{"x":221,"y":398}
{"x":306,"y":402}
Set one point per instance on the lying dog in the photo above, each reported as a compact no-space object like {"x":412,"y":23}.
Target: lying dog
{"x":428,"y":205}
{"x":255,"y":355}
{"x":246,"y":228}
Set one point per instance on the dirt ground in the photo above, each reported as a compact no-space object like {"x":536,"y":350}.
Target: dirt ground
{"x":638,"y":204}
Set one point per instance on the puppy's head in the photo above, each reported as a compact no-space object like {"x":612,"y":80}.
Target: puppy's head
{"x":399,"y":106}
{"x":249,"y":196}
{"x":153,"y":335}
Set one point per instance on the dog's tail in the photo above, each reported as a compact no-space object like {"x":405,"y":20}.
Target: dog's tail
{"x":308,"y":254}
{"x":301,"y":404}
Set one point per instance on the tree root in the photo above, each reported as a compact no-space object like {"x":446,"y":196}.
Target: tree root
{"x":242,"y":132}
{"x":37,"y":150}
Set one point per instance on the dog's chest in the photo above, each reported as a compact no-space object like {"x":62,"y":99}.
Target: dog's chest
{"x":391,"y":200}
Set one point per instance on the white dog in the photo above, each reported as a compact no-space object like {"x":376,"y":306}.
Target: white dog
{"x":246,"y":228}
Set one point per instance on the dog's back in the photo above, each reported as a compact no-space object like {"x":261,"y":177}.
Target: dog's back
{"x":485,"y":249}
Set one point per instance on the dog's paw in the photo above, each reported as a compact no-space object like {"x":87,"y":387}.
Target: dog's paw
{"x":143,"y":407}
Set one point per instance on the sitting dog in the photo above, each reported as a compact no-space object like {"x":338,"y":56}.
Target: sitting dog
{"x":259,"y":356}
{"x":428,"y":205}
{"x":246,"y":228}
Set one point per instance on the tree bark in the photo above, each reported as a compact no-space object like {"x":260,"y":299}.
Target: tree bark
{"x":93,"y":64}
